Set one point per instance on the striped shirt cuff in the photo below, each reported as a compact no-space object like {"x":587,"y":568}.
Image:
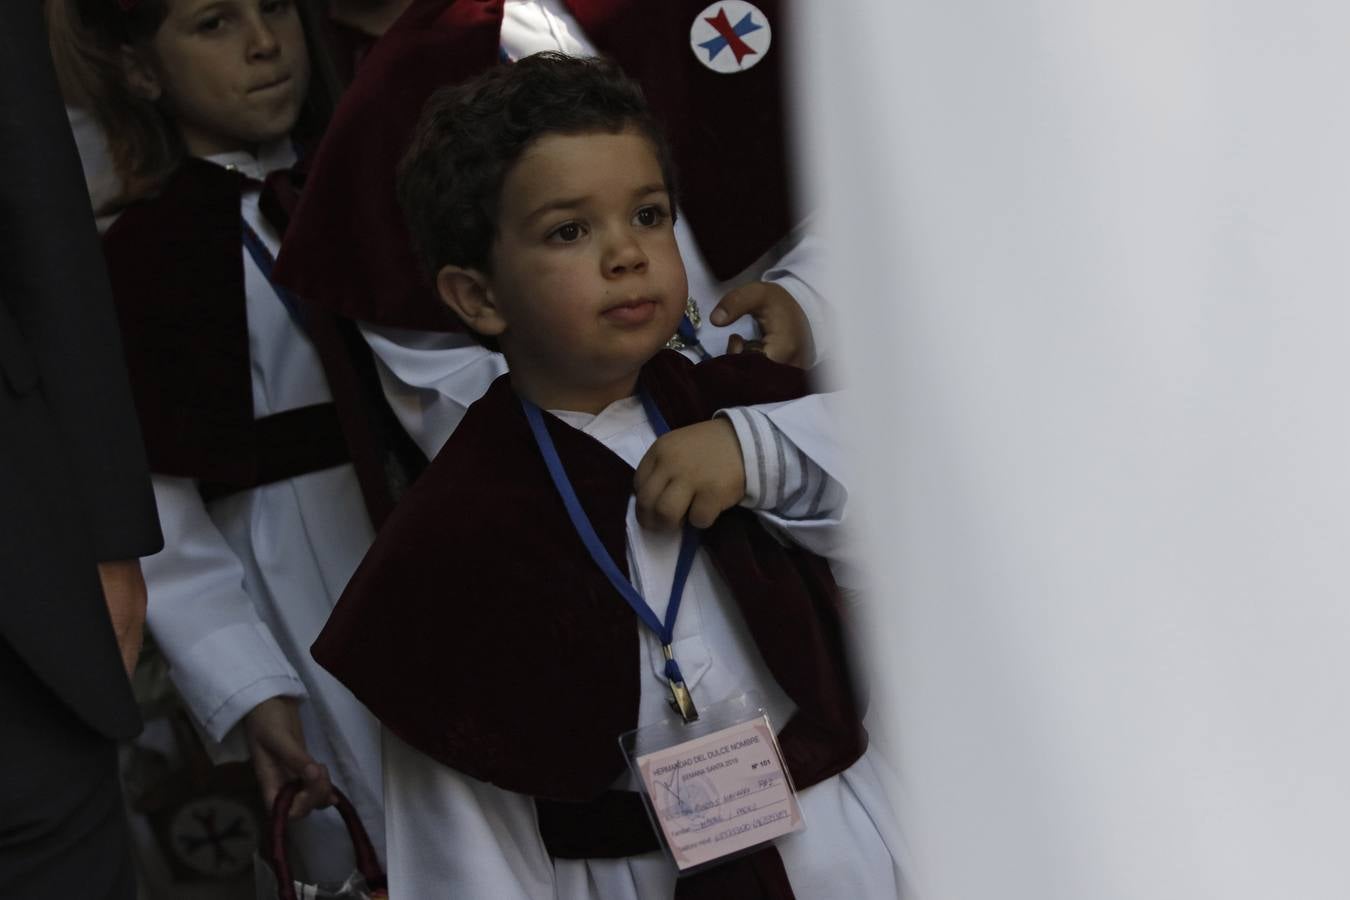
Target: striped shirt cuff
{"x":779,"y":477}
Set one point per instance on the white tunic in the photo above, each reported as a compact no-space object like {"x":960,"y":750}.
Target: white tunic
{"x":454,"y":836}
{"x":431,"y":378}
{"x":245,"y":583}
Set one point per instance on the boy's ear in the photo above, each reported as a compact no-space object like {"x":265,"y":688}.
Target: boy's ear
{"x":141,"y":76}
{"x":469,"y":294}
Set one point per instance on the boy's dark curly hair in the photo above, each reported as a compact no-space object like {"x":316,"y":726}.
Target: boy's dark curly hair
{"x":470,"y":134}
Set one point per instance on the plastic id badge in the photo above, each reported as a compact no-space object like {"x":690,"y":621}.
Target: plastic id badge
{"x":714,"y":788}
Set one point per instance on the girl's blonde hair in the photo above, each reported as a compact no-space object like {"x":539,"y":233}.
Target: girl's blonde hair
{"x":89,"y":41}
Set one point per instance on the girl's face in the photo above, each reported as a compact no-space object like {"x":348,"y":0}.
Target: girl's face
{"x":232,"y":74}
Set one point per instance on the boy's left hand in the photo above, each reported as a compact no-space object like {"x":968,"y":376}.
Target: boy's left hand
{"x":694,"y":472}
{"x":787,"y":333}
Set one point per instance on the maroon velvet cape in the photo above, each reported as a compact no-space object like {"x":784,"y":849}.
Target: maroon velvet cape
{"x":348,"y":246}
{"x":478,"y":629}
{"x":347,"y":47}
{"x":176,"y":267}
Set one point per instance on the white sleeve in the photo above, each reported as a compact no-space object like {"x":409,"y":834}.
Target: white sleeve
{"x":223,"y":659}
{"x":799,"y":271}
{"x":100,"y":177}
{"x":449,"y":835}
{"x":792,"y":459}
{"x":431,"y":378}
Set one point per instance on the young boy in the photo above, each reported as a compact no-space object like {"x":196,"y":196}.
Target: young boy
{"x":747,"y":247}
{"x":483,"y":629}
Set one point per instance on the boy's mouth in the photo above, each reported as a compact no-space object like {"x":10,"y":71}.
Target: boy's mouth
{"x":632,"y":312}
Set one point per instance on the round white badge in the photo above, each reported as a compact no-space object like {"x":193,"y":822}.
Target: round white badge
{"x":730,"y":36}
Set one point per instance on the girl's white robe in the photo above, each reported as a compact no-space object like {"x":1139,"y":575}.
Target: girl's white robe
{"x":246,"y":582}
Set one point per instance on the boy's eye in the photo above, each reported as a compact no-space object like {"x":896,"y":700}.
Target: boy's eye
{"x":650,"y":216}
{"x":566,"y":233}
{"x":214,"y":23}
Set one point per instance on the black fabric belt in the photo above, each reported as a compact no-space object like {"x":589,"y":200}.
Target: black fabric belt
{"x":613,"y":825}
{"x":289,"y":444}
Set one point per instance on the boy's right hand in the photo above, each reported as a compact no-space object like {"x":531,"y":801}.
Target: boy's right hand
{"x":277,"y":745}
{"x":694,"y":472}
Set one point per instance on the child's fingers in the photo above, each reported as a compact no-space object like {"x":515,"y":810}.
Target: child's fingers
{"x":645,"y":469}
{"x":669,"y":509}
{"x":317,"y":788}
{"x":317,"y":792}
{"x":270,"y":777}
{"x":705,"y":508}
{"x":735,"y":344}
{"x":648,"y":486}
{"x":280,"y":755}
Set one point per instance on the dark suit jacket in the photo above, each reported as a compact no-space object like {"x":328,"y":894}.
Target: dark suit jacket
{"x":73,"y":484}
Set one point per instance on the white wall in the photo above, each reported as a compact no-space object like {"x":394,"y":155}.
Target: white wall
{"x":1096,"y":261}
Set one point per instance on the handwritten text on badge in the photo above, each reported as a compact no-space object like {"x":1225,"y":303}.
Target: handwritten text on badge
{"x":720,"y":794}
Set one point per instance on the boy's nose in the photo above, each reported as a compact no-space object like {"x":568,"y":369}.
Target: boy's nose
{"x":625,"y":255}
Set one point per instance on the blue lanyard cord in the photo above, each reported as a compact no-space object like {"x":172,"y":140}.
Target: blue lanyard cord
{"x":262,"y":257}
{"x":658,"y":421}
{"x":582,"y":523}
{"x":689,"y":335}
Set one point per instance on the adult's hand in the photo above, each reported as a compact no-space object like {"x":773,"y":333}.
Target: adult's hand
{"x":124,"y":592}
{"x":787,"y":333}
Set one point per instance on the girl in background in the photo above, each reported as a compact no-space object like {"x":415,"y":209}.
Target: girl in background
{"x":260,"y":482}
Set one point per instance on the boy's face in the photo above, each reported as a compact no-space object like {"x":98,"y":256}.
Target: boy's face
{"x":587,"y":278}
{"x":232,"y":74}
